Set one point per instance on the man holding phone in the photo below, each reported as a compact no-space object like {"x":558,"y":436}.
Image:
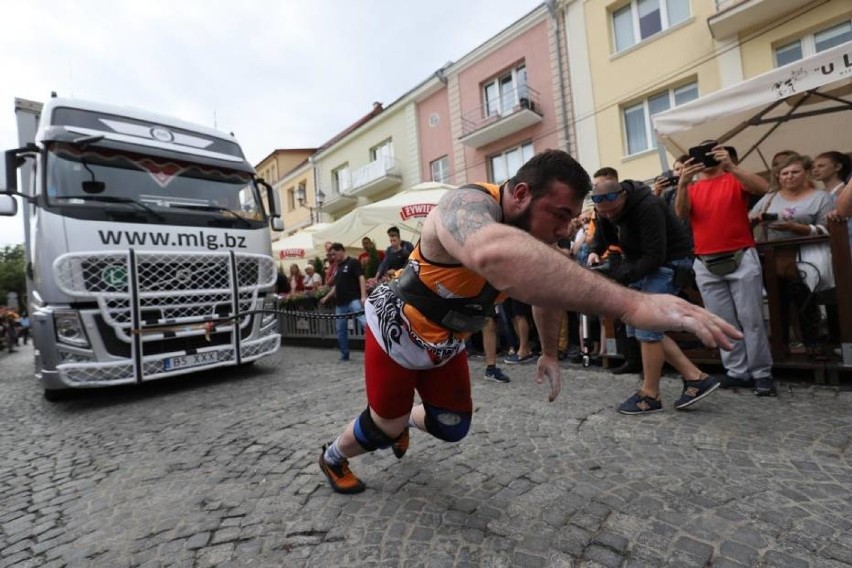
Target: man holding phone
{"x":727,"y":268}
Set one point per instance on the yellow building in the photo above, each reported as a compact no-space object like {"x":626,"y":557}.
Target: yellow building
{"x":631,"y":59}
{"x":279,"y":167}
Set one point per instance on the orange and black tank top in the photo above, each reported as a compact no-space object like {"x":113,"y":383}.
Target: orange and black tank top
{"x":401,"y":328}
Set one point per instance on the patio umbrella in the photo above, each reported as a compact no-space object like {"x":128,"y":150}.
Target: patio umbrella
{"x":406,"y":210}
{"x":803,"y":106}
{"x":299,"y":246}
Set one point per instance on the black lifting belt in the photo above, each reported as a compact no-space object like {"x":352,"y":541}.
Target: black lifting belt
{"x":466,"y":315}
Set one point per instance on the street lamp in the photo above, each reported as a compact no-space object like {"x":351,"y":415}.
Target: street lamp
{"x":302,"y":198}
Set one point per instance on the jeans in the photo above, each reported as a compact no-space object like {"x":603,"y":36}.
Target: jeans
{"x":343,"y":325}
{"x":661,"y":281}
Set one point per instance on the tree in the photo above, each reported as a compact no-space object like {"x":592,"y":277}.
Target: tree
{"x":12,"y":277}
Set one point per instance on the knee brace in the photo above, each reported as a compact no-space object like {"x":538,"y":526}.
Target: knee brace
{"x":368,"y":435}
{"x":447,"y":425}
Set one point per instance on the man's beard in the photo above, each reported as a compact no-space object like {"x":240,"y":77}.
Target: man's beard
{"x":524,"y":219}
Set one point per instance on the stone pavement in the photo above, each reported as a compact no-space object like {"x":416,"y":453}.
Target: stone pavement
{"x":220,"y":470}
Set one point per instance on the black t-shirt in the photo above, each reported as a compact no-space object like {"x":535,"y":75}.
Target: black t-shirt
{"x":396,"y":259}
{"x":347,"y":285}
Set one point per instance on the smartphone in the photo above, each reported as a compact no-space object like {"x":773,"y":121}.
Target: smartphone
{"x":700,"y":154}
{"x":769,"y":217}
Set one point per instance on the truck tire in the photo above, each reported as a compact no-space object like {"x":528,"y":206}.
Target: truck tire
{"x":57,"y":395}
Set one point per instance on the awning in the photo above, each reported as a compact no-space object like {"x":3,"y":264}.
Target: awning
{"x":299,"y":246}
{"x":406,"y":210}
{"x":804,"y":106}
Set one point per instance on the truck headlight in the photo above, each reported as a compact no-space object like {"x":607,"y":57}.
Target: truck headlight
{"x":69,"y":329}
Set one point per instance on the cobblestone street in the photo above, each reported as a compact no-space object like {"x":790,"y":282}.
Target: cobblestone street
{"x":219,"y":469}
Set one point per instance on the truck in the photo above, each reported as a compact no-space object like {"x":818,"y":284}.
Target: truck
{"x":147,"y":245}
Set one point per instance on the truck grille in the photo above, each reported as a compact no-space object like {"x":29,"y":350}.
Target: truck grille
{"x":175,"y":295}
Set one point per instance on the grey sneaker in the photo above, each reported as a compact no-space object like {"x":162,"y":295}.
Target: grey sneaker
{"x":496,"y":375}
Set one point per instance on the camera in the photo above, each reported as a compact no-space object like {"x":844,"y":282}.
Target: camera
{"x":701,"y":154}
{"x":769,"y":217}
{"x":669,"y":179}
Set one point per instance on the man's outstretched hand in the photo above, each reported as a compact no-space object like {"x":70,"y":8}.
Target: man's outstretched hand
{"x":662,"y":312}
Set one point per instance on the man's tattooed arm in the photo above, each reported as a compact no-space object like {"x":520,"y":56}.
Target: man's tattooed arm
{"x":465,"y":211}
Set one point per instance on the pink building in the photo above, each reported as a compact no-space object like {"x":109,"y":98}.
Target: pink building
{"x":496,"y":107}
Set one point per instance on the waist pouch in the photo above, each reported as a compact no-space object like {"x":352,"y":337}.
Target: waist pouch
{"x":466,"y":315}
{"x":722,"y":264}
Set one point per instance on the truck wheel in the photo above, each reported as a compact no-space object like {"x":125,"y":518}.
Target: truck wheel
{"x":57,"y":395}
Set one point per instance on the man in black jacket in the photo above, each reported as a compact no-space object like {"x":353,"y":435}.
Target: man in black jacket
{"x":656,"y":248}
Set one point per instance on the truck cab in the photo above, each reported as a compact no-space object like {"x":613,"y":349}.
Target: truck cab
{"x":147,"y":245}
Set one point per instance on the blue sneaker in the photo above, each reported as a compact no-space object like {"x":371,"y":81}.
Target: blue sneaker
{"x":765,"y":386}
{"x":693,"y":391}
{"x":515,"y":359}
{"x":496,"y":375}
{"x":638,"y":404}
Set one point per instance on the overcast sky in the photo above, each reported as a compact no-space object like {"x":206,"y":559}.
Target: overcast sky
{"x":277,"y":73}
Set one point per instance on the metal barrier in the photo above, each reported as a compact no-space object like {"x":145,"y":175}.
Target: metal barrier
{"x":310,"y":327}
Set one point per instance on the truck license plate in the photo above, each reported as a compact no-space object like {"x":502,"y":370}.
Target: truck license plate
{"x":186,"y":361}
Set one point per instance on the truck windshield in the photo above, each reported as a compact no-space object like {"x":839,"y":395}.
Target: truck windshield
{"x":100,"y":184}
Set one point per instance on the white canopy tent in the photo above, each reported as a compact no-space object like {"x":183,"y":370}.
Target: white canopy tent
{"x":804,"y":106}
{"x":299,"y":246}
{"x":405,"y":210}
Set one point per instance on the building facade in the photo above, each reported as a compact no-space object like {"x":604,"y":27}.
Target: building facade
{"x":631,"y":59}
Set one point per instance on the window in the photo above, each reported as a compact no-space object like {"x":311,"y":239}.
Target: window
{"x":385,"y":149}
{"x":640,"y":19}
{"x":813,"y":43}
{"x":638,"y":128}
{"x":507,"y":164}
{"x":441,"y":170}
{"x":340,"y":179}
{"x":291,"y":199}
{"x":503,"y":93}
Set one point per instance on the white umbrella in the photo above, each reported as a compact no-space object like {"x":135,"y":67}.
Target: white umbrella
{"x":406,"y":210}
{"x":299,"y":246}
{"x":803,"y":106}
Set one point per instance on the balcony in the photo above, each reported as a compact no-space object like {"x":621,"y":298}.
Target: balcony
{"x":735,"y":16}
{"x":519,"y":109}
{"x":376,"y":177}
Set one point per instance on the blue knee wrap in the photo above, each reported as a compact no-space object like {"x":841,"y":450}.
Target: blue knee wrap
{"x":368,"y":434}
{"x":447,"y":425}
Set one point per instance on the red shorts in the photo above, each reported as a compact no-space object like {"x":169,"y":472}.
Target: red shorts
{"x":390,"y":387}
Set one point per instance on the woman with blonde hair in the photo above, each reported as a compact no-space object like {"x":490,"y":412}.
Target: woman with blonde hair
{"x":796,"y":210}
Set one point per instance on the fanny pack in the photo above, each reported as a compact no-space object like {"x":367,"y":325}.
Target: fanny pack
{"x":722,"y":264}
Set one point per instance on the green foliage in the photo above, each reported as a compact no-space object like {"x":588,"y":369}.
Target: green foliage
{"x":318,"y":268}
{"x":12,"y":277}
{"x":372,"y":263}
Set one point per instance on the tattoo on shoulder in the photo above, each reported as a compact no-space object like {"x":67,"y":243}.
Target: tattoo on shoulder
{"x":465,"y":211}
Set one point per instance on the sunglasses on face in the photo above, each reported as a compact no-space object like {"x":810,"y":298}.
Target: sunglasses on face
{"x":606,"y":197}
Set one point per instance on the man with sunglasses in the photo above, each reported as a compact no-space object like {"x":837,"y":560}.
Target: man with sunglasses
{"x":656,"y":248}
{"x":478,"y":246}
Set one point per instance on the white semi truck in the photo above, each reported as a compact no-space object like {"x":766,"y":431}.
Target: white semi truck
{"x":147,"y":245}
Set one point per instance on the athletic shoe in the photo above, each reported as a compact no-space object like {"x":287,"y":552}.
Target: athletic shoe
{"x":638,"y":404}
{"x":765,"y":386}
{"x":729,"y":382}
{"x":400,"y":445}
{"x":693,"y":391}
{"x":515,"y":359}
{"x":496,"y":374}
{"x":340,"y":476}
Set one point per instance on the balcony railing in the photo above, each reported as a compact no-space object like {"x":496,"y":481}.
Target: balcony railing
{"x":735,"y":16}
{"x":517,"y":109}
{"x":377,"y":176}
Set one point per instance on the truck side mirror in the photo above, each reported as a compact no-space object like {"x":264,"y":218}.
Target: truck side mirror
{"x":276,"y":223}
{"x":10,"y":180}
{"x":9,"y":206}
